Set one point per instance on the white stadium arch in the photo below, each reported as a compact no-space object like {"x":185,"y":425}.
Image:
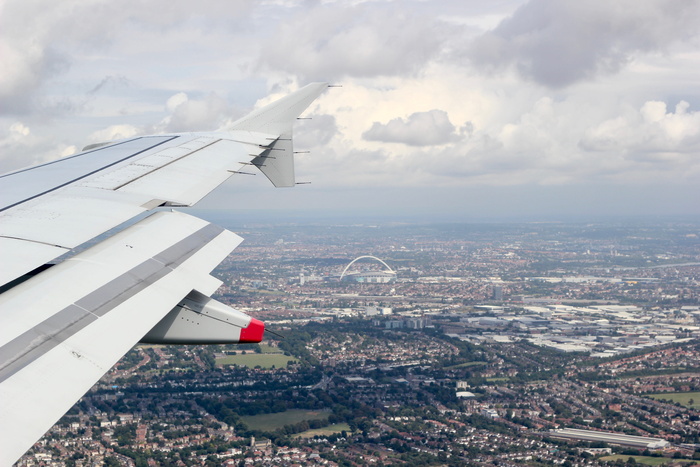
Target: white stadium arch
{"x":363,"y":257}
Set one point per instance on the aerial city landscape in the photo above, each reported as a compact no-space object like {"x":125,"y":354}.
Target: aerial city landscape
{"x":471,"y":233}
{"x":441,"y":344}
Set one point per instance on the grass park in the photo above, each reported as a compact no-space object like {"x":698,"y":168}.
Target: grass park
{"x":325,"y":431}
{"x":687,"y":399}
{"x":645,"y":460}
{"x":252,"y":360}
{"x":275,"y":421}
{"x":270,"y":357}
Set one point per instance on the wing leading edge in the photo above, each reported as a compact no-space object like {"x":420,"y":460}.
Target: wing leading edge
{"x":104,"y":187}
{"x":67,"y":325}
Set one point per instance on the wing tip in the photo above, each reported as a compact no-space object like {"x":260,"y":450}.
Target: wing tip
{"x":277,"y":117}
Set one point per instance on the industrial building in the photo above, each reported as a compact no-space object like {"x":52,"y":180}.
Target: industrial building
{"x":619,"y":439}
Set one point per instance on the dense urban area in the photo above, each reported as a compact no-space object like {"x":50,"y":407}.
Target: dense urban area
{"x":526,"y":344}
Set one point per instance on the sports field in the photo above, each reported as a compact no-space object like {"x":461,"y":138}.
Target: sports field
{"x":645,"y":460}
{"x":274,"y":421}
{"x":688,"y":399}
{"x":325,"y":431}
{"x":251,"y":360}
{"x":266,"y":348}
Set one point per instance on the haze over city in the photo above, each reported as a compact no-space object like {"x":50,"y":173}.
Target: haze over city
{"x":457,"y":110}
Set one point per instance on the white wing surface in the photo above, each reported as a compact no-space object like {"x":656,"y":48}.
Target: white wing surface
{"x":62,"y":327}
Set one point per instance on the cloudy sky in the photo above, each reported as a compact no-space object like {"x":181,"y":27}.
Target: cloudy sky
{"x":457,"y":109}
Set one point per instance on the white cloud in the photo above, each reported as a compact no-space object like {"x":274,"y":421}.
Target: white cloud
{"x":175,"y":101}
{"x":19,"y":147}
{"x":18,"y":130}
{"x":69,"y":151}
{"x":315,"y":133}
{"x":42,"y":40}
{"x":557,"y":43}
{"x":113,"y":132}
{"x":419,"y":129}
{"x":652,"y":133}
{"x":556,"y":93}
{"x":370,"y":39}
{"x":194,"y":114}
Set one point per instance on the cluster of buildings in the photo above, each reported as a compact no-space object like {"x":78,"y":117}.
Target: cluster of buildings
{"x":481,"y":345}
{"x":601,"y":331}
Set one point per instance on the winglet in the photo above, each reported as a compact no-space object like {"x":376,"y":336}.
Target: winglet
{"x":276,"y":120}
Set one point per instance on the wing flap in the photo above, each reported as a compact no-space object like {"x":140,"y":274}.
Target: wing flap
{"x":71,"y":323}
{"x":277,"y":163}
{"x":277,"y":119}
{"x":93,"y":209}
{"x":114,"y":179}
{"x":25,"y":185}
{"x":188,"y":179}
{"x":19,"y":257}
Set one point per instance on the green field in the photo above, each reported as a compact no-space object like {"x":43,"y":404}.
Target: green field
{"x":274,"y":421}
{"x":266,"y":348}
{"x":684,"y":398}
{"x":251,"y":360}
{"x":325,"y":431}
{"x":646,"y":460}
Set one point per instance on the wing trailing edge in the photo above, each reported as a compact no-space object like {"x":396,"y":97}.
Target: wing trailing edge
{"x":66,"y":327}
{"x":276,"y":120}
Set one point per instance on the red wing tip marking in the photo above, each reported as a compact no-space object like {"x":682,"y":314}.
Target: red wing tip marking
{"x":253,"y":333}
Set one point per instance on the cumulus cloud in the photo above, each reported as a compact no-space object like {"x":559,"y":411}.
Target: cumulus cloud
{"x":554,"y":143}
{"x":316,"y":132}
{"x":194,"y":114}
{"x":136,"y":68}
{"x":652,"y":133}
{"x":41,"y":40}
{"x":20,"y":147}
{"x":19,"y":130}
{"x":370,"y":39}
{"x":175,"y":101}
{"x":419,"y":129}
{"x":557,"y":43}
{"x":114,"y":132}
{"x":25,"y":68}
{"x":68,"y":151}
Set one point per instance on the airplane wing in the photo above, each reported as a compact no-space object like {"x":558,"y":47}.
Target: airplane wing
{"x":63,"y":326}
